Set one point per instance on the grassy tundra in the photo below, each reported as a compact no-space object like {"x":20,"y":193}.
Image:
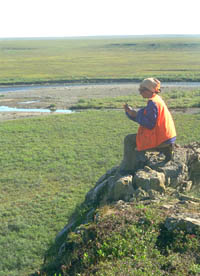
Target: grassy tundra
{"x":30,"y":61}
{"x":48,"y":164}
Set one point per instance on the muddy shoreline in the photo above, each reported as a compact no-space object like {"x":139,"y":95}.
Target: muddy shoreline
{"x":63,"y":97}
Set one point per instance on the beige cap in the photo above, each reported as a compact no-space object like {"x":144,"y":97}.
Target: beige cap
{"x":151,"y":84}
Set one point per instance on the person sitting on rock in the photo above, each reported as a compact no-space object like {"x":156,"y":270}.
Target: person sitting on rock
{"x":156,"y":131}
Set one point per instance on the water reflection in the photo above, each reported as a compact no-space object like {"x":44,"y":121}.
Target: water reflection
{"x":29,"y":102}
{"x":15,"y":109}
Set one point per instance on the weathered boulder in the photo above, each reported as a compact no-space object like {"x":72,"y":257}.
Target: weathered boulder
{"x":112,"y":188}
{"x":175,"y":171}
{"x":122,"y":188}
{"x":148,"y":179}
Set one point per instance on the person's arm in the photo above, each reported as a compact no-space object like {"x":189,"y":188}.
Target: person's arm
{"x":130,"y":112}
{"x":147,"y":116}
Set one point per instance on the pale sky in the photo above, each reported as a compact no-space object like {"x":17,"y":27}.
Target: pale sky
{"x":58,"y":18}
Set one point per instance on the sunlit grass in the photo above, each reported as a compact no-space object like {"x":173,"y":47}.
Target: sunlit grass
{"x":111,"y":58}
{"x":47,"y":165}
{"x":174,"y":99}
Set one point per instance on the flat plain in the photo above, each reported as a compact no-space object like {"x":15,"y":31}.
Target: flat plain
{"x":94,"y":59}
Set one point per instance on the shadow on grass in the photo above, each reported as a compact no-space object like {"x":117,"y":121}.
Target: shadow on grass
{"x":51,"y":264}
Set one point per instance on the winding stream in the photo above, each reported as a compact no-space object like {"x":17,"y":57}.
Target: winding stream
{"x":22,"y":88}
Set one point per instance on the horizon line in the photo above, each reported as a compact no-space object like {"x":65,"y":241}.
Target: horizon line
{"x":94,"y":36}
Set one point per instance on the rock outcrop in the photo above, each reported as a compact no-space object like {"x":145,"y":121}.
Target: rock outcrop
{"x":150,"y":183}
{"x":182,"y":173}
{"x":154,"y":197}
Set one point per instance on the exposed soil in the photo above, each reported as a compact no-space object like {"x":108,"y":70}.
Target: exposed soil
{"x":63,"y":97}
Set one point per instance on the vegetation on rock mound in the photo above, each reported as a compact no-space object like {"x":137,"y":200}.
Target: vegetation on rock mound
{"x":128,"y":239}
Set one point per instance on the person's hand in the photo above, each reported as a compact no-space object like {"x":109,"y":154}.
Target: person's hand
{"x":127,"y":107}
{"x":130,"y":110}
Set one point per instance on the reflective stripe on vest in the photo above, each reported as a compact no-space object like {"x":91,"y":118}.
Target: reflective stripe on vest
{"x":163,"y":130}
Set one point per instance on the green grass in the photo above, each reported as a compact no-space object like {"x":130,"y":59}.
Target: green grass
{"x":175,"y":98}
{"x":46,"y":167}
{"x":30,"y":61}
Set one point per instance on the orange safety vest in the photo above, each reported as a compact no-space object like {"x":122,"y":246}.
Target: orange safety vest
{"x":163,"y":130}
